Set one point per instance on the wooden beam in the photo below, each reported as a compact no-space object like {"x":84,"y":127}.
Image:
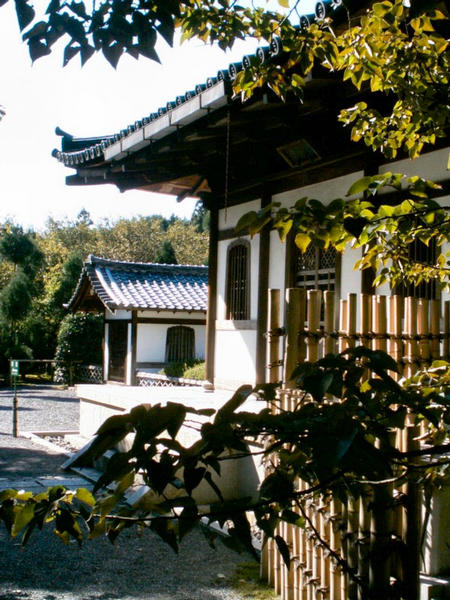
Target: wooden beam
{"x":133,"y":346}
{"x":263,"y":286}
{"x":212,"y":294}
{"x":172,"y":321}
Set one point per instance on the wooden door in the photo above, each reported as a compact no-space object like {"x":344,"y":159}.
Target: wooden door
{"x":118,"y":334}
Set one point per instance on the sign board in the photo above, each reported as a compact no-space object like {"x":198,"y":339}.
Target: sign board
{"x":14,"y":368}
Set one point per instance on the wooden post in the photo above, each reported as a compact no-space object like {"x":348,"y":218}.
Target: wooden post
{"x":212,"y":294}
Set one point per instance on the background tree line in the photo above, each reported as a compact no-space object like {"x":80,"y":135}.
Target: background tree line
{"x":39,"y":270}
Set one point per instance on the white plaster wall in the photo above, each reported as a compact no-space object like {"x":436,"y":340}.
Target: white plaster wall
{"x":432,"y":165}
{"x":151,"y":341}
{"x":230,"y":216}
{"x":325,"y":191}
{"x":120,"y":315}
{"x":235,"y":358}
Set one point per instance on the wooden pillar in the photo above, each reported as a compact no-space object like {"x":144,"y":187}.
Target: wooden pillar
{"x":134,"y":329}
{"x":212,"y":294}
{"x":106,"y":353}
{"x":263,"y":286}
{"x":129,"y":358}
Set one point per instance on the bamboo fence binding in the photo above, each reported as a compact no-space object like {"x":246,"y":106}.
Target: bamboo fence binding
{"x":410,"y":331}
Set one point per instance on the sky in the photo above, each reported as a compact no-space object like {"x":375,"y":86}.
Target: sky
{"x":84,"y":101}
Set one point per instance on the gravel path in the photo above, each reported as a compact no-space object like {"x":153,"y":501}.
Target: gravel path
{"x":135,"y":568}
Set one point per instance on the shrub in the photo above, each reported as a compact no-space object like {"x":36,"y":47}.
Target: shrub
{"x":79,"y":341}
{"x":188,"y":370}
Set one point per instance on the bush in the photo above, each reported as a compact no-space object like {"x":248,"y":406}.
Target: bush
{"x":79,"y":341}
{"x":188,"y":370}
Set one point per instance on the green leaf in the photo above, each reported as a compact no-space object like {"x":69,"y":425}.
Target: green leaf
{"x":284,"y":550}
{"x":85,"y":496}
{"x":302,"y":241}
{"x":360,"y":186}
{"x":25,"y":13}
{"x":23,"y":517}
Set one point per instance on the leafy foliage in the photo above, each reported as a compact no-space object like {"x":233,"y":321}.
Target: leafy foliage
{"x":385,"y":229}
{"x":337,"y":438}
{"x":79,"y":340}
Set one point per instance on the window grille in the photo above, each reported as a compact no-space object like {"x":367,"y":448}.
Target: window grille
{"x":316,"y":269}
{"x":426,"y":255}
{"x":180,"y":344}
{"x":238,"y":282}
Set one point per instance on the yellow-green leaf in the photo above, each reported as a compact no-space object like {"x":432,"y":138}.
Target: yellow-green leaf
{"x":302,"y":241}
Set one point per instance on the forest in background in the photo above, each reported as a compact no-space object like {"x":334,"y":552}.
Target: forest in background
{"x":39,"y":270}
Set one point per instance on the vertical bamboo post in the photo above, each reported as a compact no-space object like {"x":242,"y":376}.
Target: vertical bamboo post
{"x":379,"y":322}
{"x":413,"y":508}
{"x":329,"y":322}
{"x":446,"y":340}
{"x":295,"y":322}
{"x":395,"y":330}
{"x":269,"y":557}
{"x":352,"y":313}
{"x":343,"y":325}
{"x":314,"y":301}
{"x":423,"y":331}
{"x":434,"y":328}
{"x":365,"y":320}
{"x":411,"y":335}
{"x":274,"y":319}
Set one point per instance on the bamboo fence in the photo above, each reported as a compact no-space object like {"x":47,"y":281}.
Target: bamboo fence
{"x":414,"y":332}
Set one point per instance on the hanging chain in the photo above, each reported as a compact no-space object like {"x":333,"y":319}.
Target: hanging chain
{"x":227,"y":164}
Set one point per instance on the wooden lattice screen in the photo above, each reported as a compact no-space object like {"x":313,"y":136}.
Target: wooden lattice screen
{"x":414,"y":332}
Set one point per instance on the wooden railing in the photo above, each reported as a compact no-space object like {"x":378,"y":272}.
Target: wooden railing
{"x":414,"y":332}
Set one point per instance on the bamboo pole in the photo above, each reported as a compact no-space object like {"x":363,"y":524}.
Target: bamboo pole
{"x":274,"y":320}
{"x":313,"y":326}
{"x":446,"y":340}
{"x":352,"y":314}
{"x":329,"y":321}
{"x":423,"y":331}
{"x":270,"y":556}
{"x":413,"y":508}
{"x":365,"y":320}
{"x":435,"y":315}
{"x":295,"y":322}
{"x":343,"y":325}
{"x":379,"y":322}
{"x":395,"y":329}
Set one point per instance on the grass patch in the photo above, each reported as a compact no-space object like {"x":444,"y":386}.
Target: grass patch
{"x":247,"y":583}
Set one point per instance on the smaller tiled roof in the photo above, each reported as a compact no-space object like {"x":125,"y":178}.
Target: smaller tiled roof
{"x":141,"y":286}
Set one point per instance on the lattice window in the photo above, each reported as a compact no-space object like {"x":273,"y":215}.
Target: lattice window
{"x":426,"y":255}
{"x":238,"y":282}
{"x":180,"y":344}
{"x":316,"y":269}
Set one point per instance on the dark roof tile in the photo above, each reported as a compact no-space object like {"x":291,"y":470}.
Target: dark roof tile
{"x":132,"y":286}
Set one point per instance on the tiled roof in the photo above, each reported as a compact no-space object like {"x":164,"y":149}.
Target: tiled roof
{"x":140,"y":286}
{"x":184,"y":109}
